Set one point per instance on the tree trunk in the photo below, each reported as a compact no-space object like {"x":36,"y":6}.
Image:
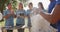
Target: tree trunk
{"x":2,"y":5}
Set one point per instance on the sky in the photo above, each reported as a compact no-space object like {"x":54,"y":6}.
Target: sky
{"x":45,"y":3}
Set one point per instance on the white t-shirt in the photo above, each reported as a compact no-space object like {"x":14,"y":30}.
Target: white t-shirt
{"x":1,"y":16}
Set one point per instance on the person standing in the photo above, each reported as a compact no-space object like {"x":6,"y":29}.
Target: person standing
{"x":20,"y":13}
{"x":9,"y":17}
{"x":30,"y":5}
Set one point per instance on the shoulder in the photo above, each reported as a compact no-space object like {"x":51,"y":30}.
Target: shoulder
{"x":57,"y":1}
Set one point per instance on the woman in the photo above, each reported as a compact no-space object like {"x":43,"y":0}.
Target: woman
{"x":28,"y":15}
{"x":40,"y":7}
{"x":20,"y":13}
{"x":39,"y":24}
{"x":9,"y":17}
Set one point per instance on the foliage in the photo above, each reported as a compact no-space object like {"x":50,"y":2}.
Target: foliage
{"x":3,"y":4}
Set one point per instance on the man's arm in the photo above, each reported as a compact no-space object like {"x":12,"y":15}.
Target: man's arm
{"x":53,"y":18}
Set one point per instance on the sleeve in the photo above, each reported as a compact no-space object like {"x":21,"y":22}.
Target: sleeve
{"x":4,"y":13}
{"x":58,"y":2}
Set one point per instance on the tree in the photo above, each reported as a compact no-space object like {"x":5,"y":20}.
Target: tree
{"x":24,"y":2}
{"x":3,"y":4}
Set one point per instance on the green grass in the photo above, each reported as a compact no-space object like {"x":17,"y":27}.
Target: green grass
{"x":2,"y":23}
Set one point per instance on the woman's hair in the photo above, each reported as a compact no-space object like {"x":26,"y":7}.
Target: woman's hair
{"x":8,"y":4}
{"x":31,"y":4}
{"x":40,"y":3}
{"x":21,"y":4}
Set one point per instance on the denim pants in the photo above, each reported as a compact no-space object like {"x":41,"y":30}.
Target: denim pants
{"x":20,"y":30}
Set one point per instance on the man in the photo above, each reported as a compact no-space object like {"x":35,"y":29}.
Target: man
{"x":54,"y":17}
{"x":51,"y":5}
{"x":9,"y":17}
{"x":50,"y":8}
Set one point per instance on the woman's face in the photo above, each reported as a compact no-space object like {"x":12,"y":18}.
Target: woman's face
{"x":9,"y":6}
{"x":30,"y":6}
{"x":20,"y":6}
{"x":39,"y":6}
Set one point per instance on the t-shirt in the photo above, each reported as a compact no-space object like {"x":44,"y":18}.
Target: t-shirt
{"x":51,"y":6}
{"x":29,"y":20}
{"x":9,"y":21}
{"x":20,"y":20}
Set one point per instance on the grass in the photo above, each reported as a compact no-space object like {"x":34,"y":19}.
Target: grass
{"x":2,"y":24}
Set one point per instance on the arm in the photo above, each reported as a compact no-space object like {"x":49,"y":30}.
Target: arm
{"x":13,"y":14}
{"x":53,"y":18}
{"x":6,"y":17}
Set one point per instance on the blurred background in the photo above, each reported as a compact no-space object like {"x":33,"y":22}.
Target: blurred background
{"x":3,"y":6}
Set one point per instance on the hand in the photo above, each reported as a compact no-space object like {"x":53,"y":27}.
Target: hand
{"x":24,"y":26}
{"x":12,"y":12}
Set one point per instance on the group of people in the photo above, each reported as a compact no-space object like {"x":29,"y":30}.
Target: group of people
{"x":53,"y":16}
{"x":20,"y":14}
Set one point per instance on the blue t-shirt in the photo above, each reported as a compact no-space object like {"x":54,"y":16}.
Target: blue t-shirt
{"x":51,"y":6}
{"x":9,"y":21}
{"x":20,"y":20}
{"x":29,"y":20}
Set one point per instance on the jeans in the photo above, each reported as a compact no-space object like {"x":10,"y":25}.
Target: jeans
{"x":9,"y":30}
{"x":20,"y":30}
